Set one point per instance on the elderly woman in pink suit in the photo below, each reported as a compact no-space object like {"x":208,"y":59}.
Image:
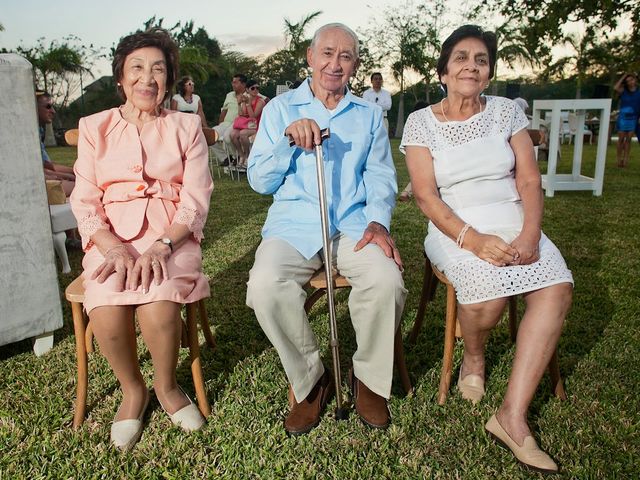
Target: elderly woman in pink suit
{"x":141,"y":200}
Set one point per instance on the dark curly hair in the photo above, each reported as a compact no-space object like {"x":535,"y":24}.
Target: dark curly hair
{"x":154,"y":37}
{"x":467,"y":31}
{"x":180,"y":86}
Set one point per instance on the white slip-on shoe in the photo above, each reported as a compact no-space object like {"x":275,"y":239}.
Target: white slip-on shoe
{"x":188,"y":418}
{"x":125,"y":433}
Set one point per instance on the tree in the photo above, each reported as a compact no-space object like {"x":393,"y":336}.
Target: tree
{"x":60,"y":67}
{"x":289,"y":63}
{"x":543,"y":21}
{"x":512,"y":50}
{"x":406,"y":38}
{"x":593,"y":57}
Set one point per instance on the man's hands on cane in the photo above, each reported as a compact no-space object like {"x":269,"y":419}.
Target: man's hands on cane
{"x":378,"y":234}
{"x":304,"y":133}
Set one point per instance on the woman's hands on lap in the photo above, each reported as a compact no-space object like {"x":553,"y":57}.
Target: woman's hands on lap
{"x":528,"y":249}
{"x":117,"y":260}
{"x":152,"y":264}
{"x":492,"y":249}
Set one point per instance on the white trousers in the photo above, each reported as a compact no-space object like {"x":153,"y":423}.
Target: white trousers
{"x":224,"y":134}
{"x":376,"y":300}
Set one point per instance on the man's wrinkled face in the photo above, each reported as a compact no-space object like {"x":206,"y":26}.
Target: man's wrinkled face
{"x":333,"y":60}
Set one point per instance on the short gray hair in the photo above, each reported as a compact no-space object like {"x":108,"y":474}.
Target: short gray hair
{"x":340,"y":26}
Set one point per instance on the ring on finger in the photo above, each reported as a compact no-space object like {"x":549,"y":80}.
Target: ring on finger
{"x":155,"y":263}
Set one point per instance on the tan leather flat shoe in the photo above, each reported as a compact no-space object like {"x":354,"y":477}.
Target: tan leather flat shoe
{"x":471,"y":387}
{"x":529,"y":454}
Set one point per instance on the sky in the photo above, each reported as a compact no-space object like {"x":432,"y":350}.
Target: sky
{"x":253,"y":27}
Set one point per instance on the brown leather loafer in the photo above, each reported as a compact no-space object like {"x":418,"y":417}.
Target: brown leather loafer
{"x":305,"y":416}
{"x":371,"y":407}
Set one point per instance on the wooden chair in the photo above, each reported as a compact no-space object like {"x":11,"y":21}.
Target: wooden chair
{"x":319,"y":285}
{"x":452,"y":330}
{"x":84,"y":344}
{"x":71,"y":137}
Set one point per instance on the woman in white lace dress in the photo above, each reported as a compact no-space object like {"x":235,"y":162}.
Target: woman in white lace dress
{"x":475,"y":177}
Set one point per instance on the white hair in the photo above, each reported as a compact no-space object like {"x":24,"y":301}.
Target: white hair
{"x":340,"y":26}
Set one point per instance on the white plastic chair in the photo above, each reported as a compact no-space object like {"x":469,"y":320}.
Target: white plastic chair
{"x":573,"y":128}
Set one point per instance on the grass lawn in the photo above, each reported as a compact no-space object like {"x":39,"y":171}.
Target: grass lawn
{"x":593,"y":435}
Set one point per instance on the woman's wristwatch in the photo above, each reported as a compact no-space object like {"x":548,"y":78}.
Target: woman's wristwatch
{"x":167,"y":241}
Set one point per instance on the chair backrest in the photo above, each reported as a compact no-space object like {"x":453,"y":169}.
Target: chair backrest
{"x":573,"y":122}
{"x":280,"y":89}
{"x":71,"y":137}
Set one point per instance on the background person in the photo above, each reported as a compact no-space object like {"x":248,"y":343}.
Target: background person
{"x":361,"y":196}
{"x":378,"y":95}
{"x":475,"y":177}
{"x":228,"y":114}
{"x":186,"y":101}
{"x":246,"y":123}
{"x":629,"y":111}
{"x":46,"y":114}
{"x":141,"y":200}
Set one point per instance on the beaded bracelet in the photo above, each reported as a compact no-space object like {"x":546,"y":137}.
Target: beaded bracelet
{"x":463,"y":232}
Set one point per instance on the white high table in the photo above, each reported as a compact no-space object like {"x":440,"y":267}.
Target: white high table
{"x":553,"y":181}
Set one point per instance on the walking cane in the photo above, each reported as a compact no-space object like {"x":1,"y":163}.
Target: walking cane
{"x":341,"y":411}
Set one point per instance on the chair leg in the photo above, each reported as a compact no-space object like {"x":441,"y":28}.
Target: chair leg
{"x":401,"y":365}
{"x":556,"y":379}
{"x":88,"y":334}
{"x":196,"y":363}
{"x":313,"y":298}
{"x":449,"y":341}
{"x":513,"y":318}
{"x":429,"y":285}
{"x":59,"y":239}
{"x":81,"y":356}
{"x":204,"y":324}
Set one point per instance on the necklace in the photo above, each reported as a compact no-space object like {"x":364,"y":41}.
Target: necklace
{"x":442,"y":110}
{"x":445,"y":117}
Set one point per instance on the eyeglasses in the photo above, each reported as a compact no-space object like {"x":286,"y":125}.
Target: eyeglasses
{"x":190,"y":84}
{"x":255,"y":87}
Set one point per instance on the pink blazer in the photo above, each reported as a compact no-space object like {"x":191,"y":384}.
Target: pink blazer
{"x":124,"y":177}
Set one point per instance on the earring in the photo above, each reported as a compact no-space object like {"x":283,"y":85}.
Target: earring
{"x":119,"y":84}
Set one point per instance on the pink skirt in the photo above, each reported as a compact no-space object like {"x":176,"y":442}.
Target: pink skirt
{"x":186,"y":282}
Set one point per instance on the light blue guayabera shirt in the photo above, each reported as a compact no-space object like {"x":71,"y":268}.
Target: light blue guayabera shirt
{"x":359,"y":171}
{"x":45,"y":155}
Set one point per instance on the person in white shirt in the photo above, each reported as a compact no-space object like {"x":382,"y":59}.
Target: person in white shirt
{"x":378,"y":95}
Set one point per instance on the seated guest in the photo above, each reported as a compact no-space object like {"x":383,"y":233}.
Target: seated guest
{"x":46,"y":114}
{"x":246,"y":123}
{"x":474,"y":175}
{"x":141,"y":201}
{"x":361,"y":196}
{"x":186,"y":101}
{"x":228,"y":114}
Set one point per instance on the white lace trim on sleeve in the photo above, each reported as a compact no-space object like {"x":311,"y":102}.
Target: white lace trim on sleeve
{"x":90,"y":224}
{"x":192,"y":219}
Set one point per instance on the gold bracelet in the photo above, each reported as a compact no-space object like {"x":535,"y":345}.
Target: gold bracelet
{"x":461,"y":235}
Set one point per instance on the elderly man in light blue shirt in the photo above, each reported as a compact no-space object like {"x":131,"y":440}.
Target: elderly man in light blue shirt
{"x":361,"y":188}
